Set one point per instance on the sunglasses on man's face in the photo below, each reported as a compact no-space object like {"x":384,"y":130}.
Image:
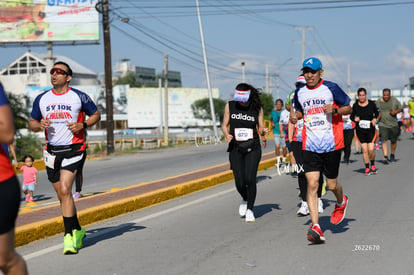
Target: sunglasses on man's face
{"x":308,"y":70}
{"x":58,"y":71}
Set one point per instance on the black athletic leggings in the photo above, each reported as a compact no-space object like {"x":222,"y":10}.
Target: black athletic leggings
{"x":303,"y":183}
{"x":244,"y":168}
{"x":348,"y":136}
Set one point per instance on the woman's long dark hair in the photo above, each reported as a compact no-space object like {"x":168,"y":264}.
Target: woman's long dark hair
{"x":254,"y":95}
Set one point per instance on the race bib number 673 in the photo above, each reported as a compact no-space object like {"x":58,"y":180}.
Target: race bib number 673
{"x":243,"y":134}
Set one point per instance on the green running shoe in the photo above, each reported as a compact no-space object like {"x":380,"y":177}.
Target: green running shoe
{"x":68,"y":245}
{"x":78,"y":236}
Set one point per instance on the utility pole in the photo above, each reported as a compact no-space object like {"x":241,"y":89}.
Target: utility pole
{"x":267,"y":79}
{"x":213,"y":113}
{"x":277,"y":85}
{"x":243,"y":72}
{"x":166,"y":100}
{"x":103,"y":8}
{"x":349,"y":78}
{"x":277,"y":76}
{"x":303,"y":29}
{"x":160,"y":91}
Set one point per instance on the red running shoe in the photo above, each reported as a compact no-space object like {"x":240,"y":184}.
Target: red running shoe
{"x":373,"y":170}
{"x":315,"y":235}
{"x":367,"y":172}
{"x":338,"y":214}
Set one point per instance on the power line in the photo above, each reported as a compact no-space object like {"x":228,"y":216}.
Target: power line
{"x":264,"y":7}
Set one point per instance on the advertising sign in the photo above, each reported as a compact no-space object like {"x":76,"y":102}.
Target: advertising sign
{"x":145,"y":107}
{"x":48,"y":20}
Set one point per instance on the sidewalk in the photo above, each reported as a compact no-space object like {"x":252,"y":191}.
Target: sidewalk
{"x":35,"y":224}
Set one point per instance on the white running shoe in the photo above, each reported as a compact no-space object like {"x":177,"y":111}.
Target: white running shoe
{"x":250,"y":216}
{"x":243,"y":208}
{"x":303,"y":209}
{"x":320,"y":206}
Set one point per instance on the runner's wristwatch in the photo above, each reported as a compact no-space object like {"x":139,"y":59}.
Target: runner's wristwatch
{"x":85,"y":125}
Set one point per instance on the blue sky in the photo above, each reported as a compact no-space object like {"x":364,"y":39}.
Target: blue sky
{"x":374,"y":38}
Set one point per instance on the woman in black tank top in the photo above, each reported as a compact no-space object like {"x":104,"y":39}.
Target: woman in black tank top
{"x":242,"y":124}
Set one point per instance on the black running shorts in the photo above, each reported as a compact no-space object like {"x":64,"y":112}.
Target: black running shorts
{"x":65,"y":158}
{"x":9,"y":204}
{"x":328,"y":163}
{"x":366,"y":135}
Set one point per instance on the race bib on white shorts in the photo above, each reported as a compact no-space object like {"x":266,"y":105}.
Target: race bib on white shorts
{"x":364,"y":124}
{"x":243,"y":134}
{"x":49,"y":159}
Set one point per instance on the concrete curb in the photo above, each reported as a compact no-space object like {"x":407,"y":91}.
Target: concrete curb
{"x":34,"y":231}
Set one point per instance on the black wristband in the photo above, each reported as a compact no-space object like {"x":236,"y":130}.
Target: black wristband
{"x":335,"y":111}
{"x":85,"y":125}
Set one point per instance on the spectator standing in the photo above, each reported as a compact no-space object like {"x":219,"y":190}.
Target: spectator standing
{"x":29,"y":177}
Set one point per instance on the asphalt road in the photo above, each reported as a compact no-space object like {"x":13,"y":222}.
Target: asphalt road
{"x":202,"y":233}
{"x":124,"y":170}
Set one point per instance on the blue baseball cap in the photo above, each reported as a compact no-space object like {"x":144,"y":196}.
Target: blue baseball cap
{"x":312,"y":63}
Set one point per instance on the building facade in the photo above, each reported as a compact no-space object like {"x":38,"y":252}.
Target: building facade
{"x":32,"y":69}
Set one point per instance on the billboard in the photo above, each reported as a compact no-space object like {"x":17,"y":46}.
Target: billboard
{"x":145,"y":107}
{"x":48,"y":20}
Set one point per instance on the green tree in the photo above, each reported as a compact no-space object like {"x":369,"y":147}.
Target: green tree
{"x":201,"y":108}
{"x":20,"y":113}
{"x":128,"y":79}
{"x":268,"y":104}
{"x":28,"y":145}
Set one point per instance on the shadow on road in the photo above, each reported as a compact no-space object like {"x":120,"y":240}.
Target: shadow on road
{"x":262,"y":178}
{"x":38,"y":198}
{"x":101,"y":234}
{"x":260,"y":210}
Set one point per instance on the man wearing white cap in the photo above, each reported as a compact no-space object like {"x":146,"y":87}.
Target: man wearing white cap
{"x":321,"y":104}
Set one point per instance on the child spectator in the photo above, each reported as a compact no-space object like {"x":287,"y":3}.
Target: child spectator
{"x":29,"y":177}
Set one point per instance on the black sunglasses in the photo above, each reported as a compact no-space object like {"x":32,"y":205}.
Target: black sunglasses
{"x":309,"y":70}
{"x":58,"y":71}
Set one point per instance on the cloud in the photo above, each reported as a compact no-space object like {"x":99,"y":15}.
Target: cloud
{"x":402,"y":58}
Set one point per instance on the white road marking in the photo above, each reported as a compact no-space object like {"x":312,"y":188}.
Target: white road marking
{"x":139,"y":220}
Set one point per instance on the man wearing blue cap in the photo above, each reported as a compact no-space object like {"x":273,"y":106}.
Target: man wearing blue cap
{"x":321,"y":104}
